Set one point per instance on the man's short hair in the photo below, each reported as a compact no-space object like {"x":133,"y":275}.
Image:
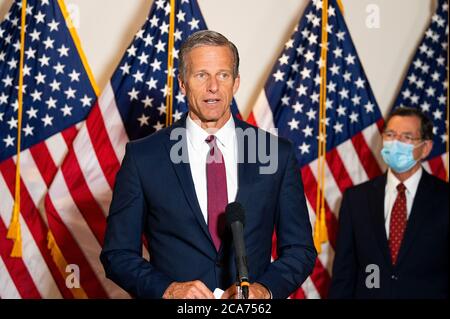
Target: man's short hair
{"x":426,"y":125}
{"x":206,"y":38}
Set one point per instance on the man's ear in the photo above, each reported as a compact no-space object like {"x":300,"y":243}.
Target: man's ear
{"x":237,"y":82}
{"x":181,"y":84}
{"x":426,"y":149}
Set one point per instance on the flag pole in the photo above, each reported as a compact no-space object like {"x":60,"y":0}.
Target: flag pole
{"x":340,"y":5}
{"x":170,"y":71}
{"x":14,"y":232}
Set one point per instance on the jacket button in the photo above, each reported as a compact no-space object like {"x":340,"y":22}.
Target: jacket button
{"x":219,"y":264}
{"x":394,"y":277}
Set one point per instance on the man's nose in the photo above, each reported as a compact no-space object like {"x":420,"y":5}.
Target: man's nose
{"x":213,"y":85}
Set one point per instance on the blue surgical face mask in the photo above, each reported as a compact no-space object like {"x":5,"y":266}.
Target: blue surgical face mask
{"x":398,"y":155}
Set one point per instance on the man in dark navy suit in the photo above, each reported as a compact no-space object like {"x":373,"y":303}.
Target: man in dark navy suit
{"x":174,"y":185}
{"x":393,"y":230}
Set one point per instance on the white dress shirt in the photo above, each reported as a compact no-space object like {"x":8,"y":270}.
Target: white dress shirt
{"x":198,"y":151}
{"x":411,"y":185}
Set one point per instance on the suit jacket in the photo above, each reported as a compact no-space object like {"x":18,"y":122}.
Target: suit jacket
{"x":422,"y":266}
{"x":156,"y":197}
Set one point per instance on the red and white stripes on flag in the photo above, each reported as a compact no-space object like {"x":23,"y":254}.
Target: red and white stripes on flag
{"x":76,"y":223}
{"x":437,"y":166}
{"x":35,"y":275}
{"x":78,"y":200}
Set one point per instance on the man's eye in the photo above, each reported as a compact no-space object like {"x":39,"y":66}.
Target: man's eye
{"x":407,"y":137}
{"x":224,"y":76}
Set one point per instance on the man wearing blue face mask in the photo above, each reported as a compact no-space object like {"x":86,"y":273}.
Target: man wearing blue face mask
{"x":393,"y":230}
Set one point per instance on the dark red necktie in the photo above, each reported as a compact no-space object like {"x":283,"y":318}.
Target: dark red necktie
{"x":216,"y":179}
{"x":398,"y":223}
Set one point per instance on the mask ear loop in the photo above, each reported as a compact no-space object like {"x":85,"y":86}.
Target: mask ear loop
{"x":418,"y":145}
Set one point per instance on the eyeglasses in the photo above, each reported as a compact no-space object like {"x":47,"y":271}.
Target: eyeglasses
{"x":404,"y":137}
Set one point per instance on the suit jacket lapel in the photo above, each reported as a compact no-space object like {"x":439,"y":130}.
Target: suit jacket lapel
{"x":183,"y":172}
{"x":246,"y":171}
{"x":246,"y":174}
{"x":376,"y":206}
{"x":418,"y":213}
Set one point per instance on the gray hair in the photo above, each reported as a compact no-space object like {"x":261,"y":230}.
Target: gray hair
{"x":206,"y":38}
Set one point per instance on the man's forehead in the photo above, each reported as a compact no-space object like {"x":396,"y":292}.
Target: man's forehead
{"x":209,"y":56}
{"x":210,"y":48}
{"x":404,"y":122}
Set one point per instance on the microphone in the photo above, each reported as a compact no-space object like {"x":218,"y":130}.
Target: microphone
{"x":235,"y":216}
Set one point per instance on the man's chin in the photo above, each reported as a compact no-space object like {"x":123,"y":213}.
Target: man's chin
{"x":213,"y":117}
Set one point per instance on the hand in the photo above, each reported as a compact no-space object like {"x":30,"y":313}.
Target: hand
{"x":188,"y":290}
{"x":255,"y":291}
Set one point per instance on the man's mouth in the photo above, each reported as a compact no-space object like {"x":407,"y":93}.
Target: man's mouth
{"x":211,"y":101}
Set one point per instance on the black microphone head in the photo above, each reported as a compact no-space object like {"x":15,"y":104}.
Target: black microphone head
{"x":235,"y":213}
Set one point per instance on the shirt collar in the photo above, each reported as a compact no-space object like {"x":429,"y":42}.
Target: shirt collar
{"x":411,"y":184}
{"x":226,"y":133}
{"x":198,"y":135}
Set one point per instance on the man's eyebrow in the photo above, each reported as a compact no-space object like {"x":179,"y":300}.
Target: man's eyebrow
{"x":206,"y":71}
{"x":401,"y":132}
{"x":199,"y":70}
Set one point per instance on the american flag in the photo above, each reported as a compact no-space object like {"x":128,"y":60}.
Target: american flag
{"x":426,"y":87}
{"x":289,"y":102}
{"x":131,"y":106}
{"x":57,"y":94}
